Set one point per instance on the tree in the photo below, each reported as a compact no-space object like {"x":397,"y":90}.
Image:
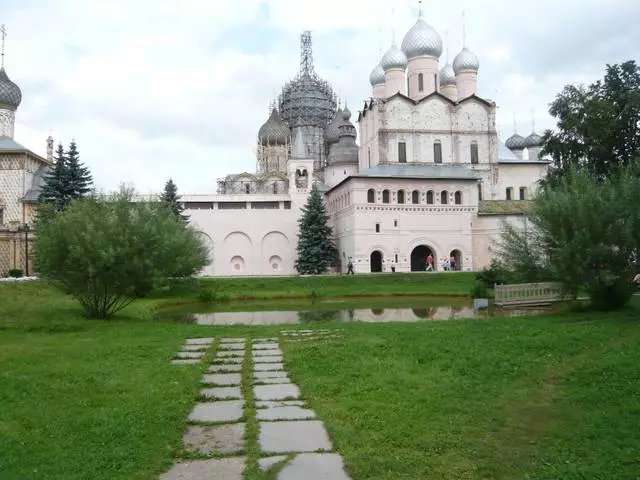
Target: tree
{"x":598,"y":127}
{"x":56,"y":183}
{"x":171,"y":199}
{"x":108,"y":251}
{"x":79,"y":178}
{"x":316,"y":251}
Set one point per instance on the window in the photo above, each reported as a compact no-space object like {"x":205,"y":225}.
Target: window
{"x":395,"y":223}
{"x":275,"y":187}
{"x":415,"y":197}
{"x":509,"y":193}
{"x":369,"y":157}
{"x":287,"y":205}
{"x":402,"y":152}
{"x":444,"y":197}
{"x":377,"y":228}
{"x":435,"y":81}
{"x":396,"y":253}
{"x":479,"y":192}
{"x":437,"y":151}
{"x":247,"y":188}
{"x":400,"y":196}
{"x":474,"y":153}
{"x":420,"y":82}
{"x":371,"y":196}
{"x":458,"y":198}
{"x":523,"y":193}
{"x":430,"y":197}
{"x":385,"y":196}
{"x":2,"y":215}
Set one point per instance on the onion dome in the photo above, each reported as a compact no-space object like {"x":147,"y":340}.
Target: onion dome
{"x":422,"y":41}
{"x":515,"y":142}
{"x":346,"y":113}
{"x":533,"y":140}
{"x":466,"y":60}
{"x":394,"y":58}
{"x":332,"y":133}
{"x":377,"y":76}
{"x":447,"y":75}
{"x":274,"y":130}
{"x":10,"y":94}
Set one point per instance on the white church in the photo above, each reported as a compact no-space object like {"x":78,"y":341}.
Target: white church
{"x":428,"y":177}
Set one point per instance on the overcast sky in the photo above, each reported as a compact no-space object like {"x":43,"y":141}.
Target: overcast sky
{"x":152,"y":89}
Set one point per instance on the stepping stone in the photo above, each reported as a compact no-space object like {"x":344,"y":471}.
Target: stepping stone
{"x":266,"y":353}
{"x":274,"y":359}
{"x":265,"y":346}
{"x":267,"y":462}
{"x":282,"y":403}
{"x":263,"y":367}
{"x":195,"y":348}
{"x":217,"y":468}
{"x":286,"y":391}
{"x":228,"y":360}
{"x":190,"y":354}
{"x":223,"y":379}
{"x":285,"y":413}
{"x":314,"y":466}
{"x":232,"y":346}
{"x":265,"y":340}
{"x":231,"y":353}
{"x":296,"y":436}
{"x":198,"y":341}
{"x":269,"y":374}
{"x":206,"y":439}
{"x":225,"y":368}
{"x":265,"y":381}
{"x":224,"y":411}
{"x":232,"y":340}
{"x":222,"y":393}
{"x":185,"y":361}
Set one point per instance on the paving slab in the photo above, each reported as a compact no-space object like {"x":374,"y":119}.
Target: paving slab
{"x":265,"y":346}
{"x":285,"y":413}
{"x":279,"y":403}
{"x":222,"y":393}
{"x":199,"y":341}
{"x":185,"y":361}
{"x":269,"y":381}
{"x":206,"y":439}
{"x":296,"y":436}
{"x":267,"y":352}
{"x":232,"y":340}
{"x":230,"y":353}
{"x":190,"y":354}
{"x":228,"y":360}
{"x":222,"y":411}
{"x":270,"y":374}
{"x":231,"y":468}
{"x":231,"y":346}
{"x":225,"y":368}
{"x":222,"y":379}
{"x":267,"y":462}
{"x":286,"y":391}
{"x":314,"y":466}
{"x":195,"y":348}
{"x":263,"y":367}
{"x":274,"y":359}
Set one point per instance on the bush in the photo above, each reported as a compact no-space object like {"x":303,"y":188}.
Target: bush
{"x":207,"y":295}
{"x":494,"y":275}
{"x":107,"y":252}
{"x":479,"y":290}
{"x":16,"y":272}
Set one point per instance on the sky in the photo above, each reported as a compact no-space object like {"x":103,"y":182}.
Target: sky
{"x":159,"y":89}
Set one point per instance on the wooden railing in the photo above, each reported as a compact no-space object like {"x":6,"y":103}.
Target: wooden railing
{"x":528,"y":294}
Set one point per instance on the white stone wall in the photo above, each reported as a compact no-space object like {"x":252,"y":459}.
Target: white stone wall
{"x":486,"y":233}
{"x":14,"y":181}
{"x":520,"y":175}
{"x":7,"y":122}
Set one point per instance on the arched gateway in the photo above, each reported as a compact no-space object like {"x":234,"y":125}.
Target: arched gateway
{"x":376,"y":261}
{"x":419,"y":258}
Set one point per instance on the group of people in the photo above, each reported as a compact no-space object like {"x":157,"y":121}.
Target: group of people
{"x":447,"y":264}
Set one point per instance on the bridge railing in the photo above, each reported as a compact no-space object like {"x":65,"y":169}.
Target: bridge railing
{"x":528,"y":294}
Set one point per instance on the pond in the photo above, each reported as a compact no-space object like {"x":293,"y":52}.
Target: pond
{"x":386,"y":310}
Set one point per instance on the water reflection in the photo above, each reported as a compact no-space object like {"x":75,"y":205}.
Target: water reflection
{"x":349,"y":315}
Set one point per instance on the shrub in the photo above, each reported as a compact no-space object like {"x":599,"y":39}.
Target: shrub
{"x":107,"y":252}
{"x":494,"y":275}
{"x":207,"y":295}
{"x":479,"y":290}
{"x":16,"y":272}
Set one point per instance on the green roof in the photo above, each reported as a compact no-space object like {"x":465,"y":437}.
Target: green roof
{"x":503,"y":207}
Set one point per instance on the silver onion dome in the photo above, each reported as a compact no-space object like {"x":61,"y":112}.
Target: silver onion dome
{"x":274,"y":130}
{"x":394,"y":58}
{"x":10,"y":94}
{"x":377,"y":76}
{"x":422,"y":40}
{"x":332,"y":132}
{"x":533,"y":140}
{"x":466,"y":60}
{"x":447,"y":75}
{"x":515,"y":142}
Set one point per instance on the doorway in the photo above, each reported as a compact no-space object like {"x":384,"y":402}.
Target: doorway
{"x":376,"y":261}
{"x":457,"y":255}
{"x":419,"y":258}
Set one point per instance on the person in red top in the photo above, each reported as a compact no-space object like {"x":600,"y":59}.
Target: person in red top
{"x":429,"y":263}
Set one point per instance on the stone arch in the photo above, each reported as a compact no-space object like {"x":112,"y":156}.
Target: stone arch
{"x":456,"y":253}
{"x":237,"y":248}
{"x":376,"y":258}
{"x":275,"y":253}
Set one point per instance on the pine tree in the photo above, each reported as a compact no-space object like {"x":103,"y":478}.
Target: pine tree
{"x":316,"y":251}
{"x":80,"y":179}
{"x":172,"y":199}
{"x":56,"y":183}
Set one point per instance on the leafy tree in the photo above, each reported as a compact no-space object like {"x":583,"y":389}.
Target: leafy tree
{"x":598,"y":127}
{"x":79,"y":178}
{"x":316,"y":251}
{"x":56,"y":183}
{"x":108,"y":251}
{"x":171,"y":199}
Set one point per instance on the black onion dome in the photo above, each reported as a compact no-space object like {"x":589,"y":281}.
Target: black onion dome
{"x":332,"y":133}
{"x":10,"y":94}
{"x":274,"y":130}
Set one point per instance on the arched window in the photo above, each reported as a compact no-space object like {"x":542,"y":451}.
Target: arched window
{"x":247,"y":188}
{"x":415,"y":197}
{"x":400,"y":196}
{"x":371,"y":196}
{"x":479,"y":192}
{"x":523,"y":193}
{"x":420,"y":82}
{"x":458,"y":198}
{"x":509,"y":195}
{"x":429,"y":197}
{"x":444,"y":197}
{"x":385,"y":196}
{"x":474,"y":152}
{"x":437,"y":151}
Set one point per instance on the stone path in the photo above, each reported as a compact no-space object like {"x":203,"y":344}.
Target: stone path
{"x":193,"y":350}
{"x":291,"y":439}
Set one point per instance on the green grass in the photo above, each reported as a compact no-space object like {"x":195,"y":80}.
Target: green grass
{"x":545,"y":397}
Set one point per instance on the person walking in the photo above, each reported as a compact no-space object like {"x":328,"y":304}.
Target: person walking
{"x":452,"y":263}
{"x":429,"y":263}
{"x":350,"y":267}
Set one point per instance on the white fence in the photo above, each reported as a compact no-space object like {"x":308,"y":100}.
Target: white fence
{"x":528,"y":294}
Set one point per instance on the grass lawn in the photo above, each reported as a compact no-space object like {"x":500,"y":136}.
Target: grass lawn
{"x":538,"y":397}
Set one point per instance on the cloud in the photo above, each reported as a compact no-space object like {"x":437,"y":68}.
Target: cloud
{"x":154,"y":89}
